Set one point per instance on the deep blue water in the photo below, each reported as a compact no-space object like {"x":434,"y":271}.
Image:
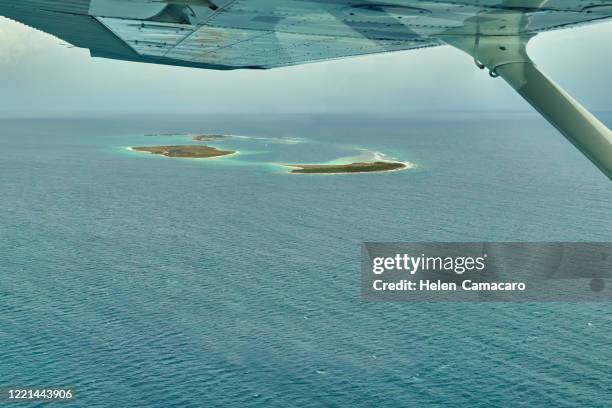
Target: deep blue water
{"x":143,"y":281}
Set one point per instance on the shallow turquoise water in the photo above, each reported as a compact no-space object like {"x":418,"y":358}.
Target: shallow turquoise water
{"x":146,"y":281}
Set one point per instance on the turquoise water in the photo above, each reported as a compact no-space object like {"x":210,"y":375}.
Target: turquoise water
{"x":143,"y":281}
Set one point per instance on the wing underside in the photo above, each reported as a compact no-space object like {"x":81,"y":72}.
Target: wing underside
{"x":240,"y":48}
{"x":231,"y":34}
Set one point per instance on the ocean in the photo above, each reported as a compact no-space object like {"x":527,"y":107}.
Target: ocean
{"x":144,"y":281}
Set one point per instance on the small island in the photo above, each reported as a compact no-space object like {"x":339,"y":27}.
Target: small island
{"x":360,"y":167}
{"x":197,"y":138}
{"x":187,"y":151}
{"x":208,"y":138}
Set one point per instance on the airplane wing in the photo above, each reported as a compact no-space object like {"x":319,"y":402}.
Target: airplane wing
{"x":231,"y":34}
{"x":262,"y":34}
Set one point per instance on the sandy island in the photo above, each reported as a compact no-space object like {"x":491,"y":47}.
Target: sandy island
{"x":188,"y":151}
{"x":360,"y":167}
{"x":204,"y":138}
{"x":197,"y":138}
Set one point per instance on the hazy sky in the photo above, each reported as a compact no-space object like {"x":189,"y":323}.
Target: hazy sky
{"x":40,"y":76}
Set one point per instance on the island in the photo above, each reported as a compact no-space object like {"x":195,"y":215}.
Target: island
{"x":186,"y":151}
{"x":360,"y":167}
{"x":205,"y":138}
{"x":197,"y":138}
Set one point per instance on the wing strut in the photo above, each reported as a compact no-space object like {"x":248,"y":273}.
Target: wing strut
{"x":506,"y":56}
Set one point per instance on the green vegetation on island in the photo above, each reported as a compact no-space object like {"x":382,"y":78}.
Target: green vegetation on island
{"x":346,"y":168}
{"x":187,"y":151}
